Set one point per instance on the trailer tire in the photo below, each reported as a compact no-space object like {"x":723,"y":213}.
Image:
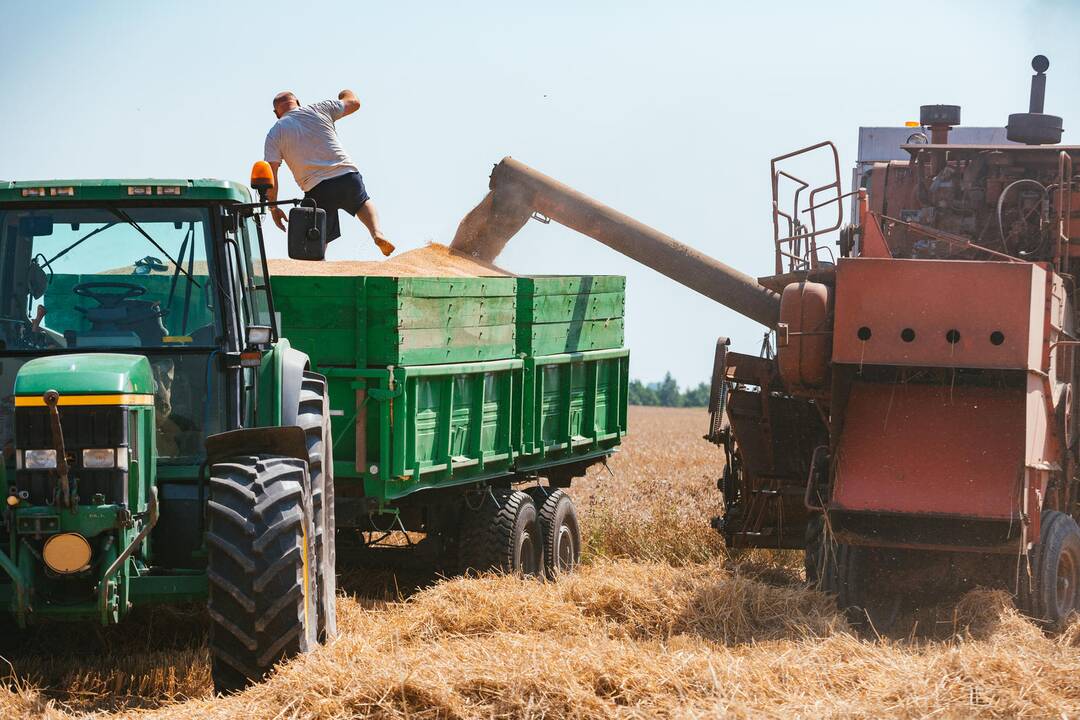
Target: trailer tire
{"x":1055,"y":591}
{"x":260,"y":535}
{"x":502,"y":534}
{"x":314,"y":417}
{"x":561,"y":534}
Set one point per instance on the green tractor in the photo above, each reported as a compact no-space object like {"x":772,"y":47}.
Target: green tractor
{"x":164,"y":443}
{"x":161,"y":442}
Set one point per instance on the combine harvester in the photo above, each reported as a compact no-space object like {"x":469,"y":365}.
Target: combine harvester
{"x":914,"y":431}
{"x":164,"y":442}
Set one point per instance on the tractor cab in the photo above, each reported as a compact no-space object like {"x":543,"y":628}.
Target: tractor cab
{"x":135,"y":317}
{"x":168,"y":272}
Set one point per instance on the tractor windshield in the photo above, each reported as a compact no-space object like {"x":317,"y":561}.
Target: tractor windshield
{"x":104,"y":278}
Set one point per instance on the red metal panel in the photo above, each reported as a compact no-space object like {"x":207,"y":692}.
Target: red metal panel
{"x":931,"y":449}
{"x":905,"y":312}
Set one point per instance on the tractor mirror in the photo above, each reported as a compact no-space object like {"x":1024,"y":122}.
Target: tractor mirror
{"x":37,"y":281}
{"x":307,"y":232}
{"x":36,"y":225}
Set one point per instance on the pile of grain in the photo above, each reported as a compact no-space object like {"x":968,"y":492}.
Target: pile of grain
{"x":432,"y":260}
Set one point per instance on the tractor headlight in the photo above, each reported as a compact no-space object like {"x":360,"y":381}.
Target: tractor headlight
{"x":39,"y":459}
{"x":99,"y":458}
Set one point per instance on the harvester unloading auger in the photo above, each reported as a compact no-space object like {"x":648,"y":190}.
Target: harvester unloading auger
{"x":914,"y":430}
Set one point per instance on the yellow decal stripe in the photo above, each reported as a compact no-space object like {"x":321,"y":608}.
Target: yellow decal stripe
{"x":125,"y":399}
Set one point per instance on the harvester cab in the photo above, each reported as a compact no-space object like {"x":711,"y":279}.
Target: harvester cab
{"x":161,"y":443}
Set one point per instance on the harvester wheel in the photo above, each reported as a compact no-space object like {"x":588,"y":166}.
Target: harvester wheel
{"x":262,"y":589}
{"x":561,"y":534}
{"x":314,"y":418}
{"x":502,"y":533}
{"x":819,"y":559}
{"x":863,"y":589}
{"x":1055,"y":592}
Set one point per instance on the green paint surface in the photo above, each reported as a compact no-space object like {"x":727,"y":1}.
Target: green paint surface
{"x":118,"y":190}
{"x":86,"y":374}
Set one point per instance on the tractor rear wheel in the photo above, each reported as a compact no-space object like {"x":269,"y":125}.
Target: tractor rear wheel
{"x":314,"y":418}
{"x":560,"y":532}
{"x":501,"y":534}
{"x":262,"y":586}
{"x":1055,"y":591}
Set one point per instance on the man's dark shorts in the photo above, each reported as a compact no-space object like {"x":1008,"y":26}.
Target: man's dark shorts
{"x":344,"y":192}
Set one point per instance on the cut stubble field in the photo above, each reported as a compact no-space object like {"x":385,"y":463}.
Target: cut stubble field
{"x":660,"y":621}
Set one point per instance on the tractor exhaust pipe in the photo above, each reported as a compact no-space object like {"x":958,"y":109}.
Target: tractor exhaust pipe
{"x":517,"y":192}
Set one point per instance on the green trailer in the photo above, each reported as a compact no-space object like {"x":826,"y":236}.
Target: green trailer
{"x":442,"y":423}
{"x":177,"y":427}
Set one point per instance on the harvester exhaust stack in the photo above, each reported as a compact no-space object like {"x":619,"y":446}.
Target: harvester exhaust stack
{"x":517,"y":192}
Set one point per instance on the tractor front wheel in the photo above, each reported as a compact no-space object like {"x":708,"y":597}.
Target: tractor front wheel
{"x":1055,"y":588}
{"x":261,"y":540}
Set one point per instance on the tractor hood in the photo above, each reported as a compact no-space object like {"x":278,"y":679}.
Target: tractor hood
{"x":84,"y":374}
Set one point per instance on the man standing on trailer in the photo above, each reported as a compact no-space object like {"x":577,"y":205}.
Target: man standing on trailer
{"x":306,"y":139}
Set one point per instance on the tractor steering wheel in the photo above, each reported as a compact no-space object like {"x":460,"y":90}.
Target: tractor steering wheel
{"x":109,"y":299}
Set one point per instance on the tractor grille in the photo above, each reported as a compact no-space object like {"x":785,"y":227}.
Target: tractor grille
{"x":84,"y":427}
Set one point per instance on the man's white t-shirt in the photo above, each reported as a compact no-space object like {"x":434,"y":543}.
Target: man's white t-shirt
{"x":305,"y":138}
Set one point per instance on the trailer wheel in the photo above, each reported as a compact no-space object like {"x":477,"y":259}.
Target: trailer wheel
{"x":1056,"y":588}
{"x":502,"y":534}
{"x":314,"y":418}
{"x":561,"y":534}
{"x":262,"y":587}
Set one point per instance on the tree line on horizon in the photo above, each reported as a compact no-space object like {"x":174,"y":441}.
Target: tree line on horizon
{"x":666,"y":393}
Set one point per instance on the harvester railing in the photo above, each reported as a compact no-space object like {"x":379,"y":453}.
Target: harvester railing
{"x":795,"y":243}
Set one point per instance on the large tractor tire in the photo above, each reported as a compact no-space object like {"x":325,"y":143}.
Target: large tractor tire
{"x":501,"y":533}
{"x":262,"y":582}
{"x":561,"y":534}
{"x":1054,"y":591}
{"x":314,"y":418}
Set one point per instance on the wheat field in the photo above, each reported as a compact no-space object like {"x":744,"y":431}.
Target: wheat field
{"x":661,"y":621}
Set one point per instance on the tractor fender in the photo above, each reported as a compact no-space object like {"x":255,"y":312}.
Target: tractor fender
{"x":293,"y":363}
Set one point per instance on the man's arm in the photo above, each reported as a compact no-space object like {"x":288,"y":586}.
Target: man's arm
{"x":352,"y":103}
{"x":272,"y":194}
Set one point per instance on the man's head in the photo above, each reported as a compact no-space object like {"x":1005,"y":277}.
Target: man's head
{"x":284,"y":102}
{"x":164,"y":371}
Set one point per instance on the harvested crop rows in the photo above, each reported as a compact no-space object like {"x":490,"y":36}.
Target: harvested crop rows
{"x":662,"y":621}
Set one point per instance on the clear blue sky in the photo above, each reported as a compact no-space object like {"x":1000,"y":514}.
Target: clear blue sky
{"x":668,"y":111}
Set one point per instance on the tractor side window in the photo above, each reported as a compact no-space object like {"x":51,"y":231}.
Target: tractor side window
{"x":256,"y":285}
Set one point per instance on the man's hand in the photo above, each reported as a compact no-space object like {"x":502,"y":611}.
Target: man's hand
{"x":352,"y":103}
{"x":279,"y":217}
